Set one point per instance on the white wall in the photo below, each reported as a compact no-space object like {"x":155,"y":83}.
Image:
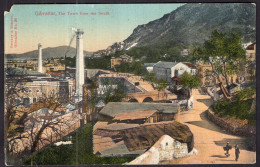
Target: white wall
{"x":166,"y":148}
{"x":181,"y":69}
{"x":168,"y":73}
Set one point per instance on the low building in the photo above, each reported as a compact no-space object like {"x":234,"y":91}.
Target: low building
{"x":149,"y":67}
{"x":251,"y":56}
{"x":139,"y":113}
{"x":251,"y":52}
{"x":119,"y":139}
{"x":121,"y":59}
{"x":28,"y":64}
{"x":185,"y":52}
{"x":168,"y":70}
{"x":35,"y":85}
{"x":165,"y":149}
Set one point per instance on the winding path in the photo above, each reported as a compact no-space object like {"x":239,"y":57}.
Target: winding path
{"x":209,"y":139}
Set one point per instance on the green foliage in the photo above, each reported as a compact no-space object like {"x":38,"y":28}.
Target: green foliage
{"x":80,"y":152}
{"x":114,"y":95}
{"x":239,"y":109}
{"x":134,"y":68}
{"x":224,"y":52}
{"x":150,"y":77}
{"x":189,"y":81}
{"x":69,"y":61}
{"x":164,"y":51}
{"x":98,"y":63}
{"x":244,"y":94}
{"x":161,"y":84}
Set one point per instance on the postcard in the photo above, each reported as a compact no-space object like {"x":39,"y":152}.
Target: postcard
{"x":130,"y":84}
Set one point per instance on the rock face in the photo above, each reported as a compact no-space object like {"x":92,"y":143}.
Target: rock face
{"x":192,"y":24}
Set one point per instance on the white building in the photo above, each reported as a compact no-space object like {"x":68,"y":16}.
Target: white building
{"x":168,"y":70}
{"x":149,"y":67}
{"x":185,"y":52}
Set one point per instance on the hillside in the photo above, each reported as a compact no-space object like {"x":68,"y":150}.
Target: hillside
{"x":191,"y":24}
{"x":47,"y":53}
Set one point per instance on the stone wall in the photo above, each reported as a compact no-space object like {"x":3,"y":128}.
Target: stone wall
{"x":234,"y":128}
{"x":165,"y":149}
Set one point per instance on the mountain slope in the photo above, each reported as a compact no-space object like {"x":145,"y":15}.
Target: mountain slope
{"x":47,"y":53}
{"x":191,"y":24}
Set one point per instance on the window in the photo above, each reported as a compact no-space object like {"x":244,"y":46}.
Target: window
{"x":34,"y":100}
{"x":38,"y":90}
{"x":30,"y":91}
{"x":166,"y":144}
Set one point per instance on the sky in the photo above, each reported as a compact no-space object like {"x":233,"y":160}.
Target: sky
{"x":24,"y":29}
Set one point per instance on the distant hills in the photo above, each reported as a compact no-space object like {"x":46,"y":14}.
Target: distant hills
{"x":47,"y":53}
{"x":191,"y":24}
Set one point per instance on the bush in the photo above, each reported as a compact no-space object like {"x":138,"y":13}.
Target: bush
{"x":244,"y":94}
{"x":239,"y":109}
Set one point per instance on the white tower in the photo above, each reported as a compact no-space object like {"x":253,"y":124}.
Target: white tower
{"x":40,"y":58}
{"x":80,"y":78}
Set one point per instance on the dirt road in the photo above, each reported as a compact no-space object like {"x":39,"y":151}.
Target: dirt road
{"x":209,"y":139}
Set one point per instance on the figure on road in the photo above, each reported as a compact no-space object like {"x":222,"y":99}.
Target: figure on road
{"x":227,"y":148}
{"x":237,"y":152}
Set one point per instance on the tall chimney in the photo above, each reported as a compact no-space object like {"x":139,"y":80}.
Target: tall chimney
{"x":40,"y":58}
{"x":80,"y":78}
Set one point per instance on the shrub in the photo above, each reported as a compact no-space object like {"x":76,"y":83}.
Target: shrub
{"x":239,"y":109}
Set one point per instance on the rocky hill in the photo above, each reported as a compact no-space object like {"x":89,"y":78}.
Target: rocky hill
{"x":191,"y":24}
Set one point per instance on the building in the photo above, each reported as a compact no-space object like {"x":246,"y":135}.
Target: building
{"x":168,"y":70}
{"x":251,"y":57}
{"x":28,"y":64}
{"x":165,"y":149}
{"x":129,"y":129}
{"x":149,"y":67}
{"x":204,"y":72}
{"x":139,"y":113}
{"x":35,"y":85}
{"x":119,"y":139}
{"x":251,"y":52}
{"x":185,"y":52}
{"x":121,"y":59}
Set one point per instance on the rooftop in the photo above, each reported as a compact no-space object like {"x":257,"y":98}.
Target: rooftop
{"x":163,"y":64}
{"x":22,"y":71}
{"x":114,"y":108}
{"x":251,"y":46}
{"x":118,"y":126}
{"x":146,"y":135}
{"x":113,"y":140}
{"x":138,"y":114}
{"x":190,"y":65}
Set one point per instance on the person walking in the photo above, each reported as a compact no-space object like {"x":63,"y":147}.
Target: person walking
{"x":227,"y":148}
{"x":237,"y":152}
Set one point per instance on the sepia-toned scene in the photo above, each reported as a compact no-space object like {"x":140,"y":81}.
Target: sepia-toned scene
{"x":130,"y":84}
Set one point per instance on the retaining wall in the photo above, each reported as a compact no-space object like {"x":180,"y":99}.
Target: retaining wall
{"x":234,"y":128}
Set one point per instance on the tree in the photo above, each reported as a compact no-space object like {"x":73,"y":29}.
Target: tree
{"x":114,"y":95}
{"x":189,"y":81}
{"x":13,"y":115}
{"x":46,"y":120}
{"x":224,"y":53}
{"x":39,"y":125}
